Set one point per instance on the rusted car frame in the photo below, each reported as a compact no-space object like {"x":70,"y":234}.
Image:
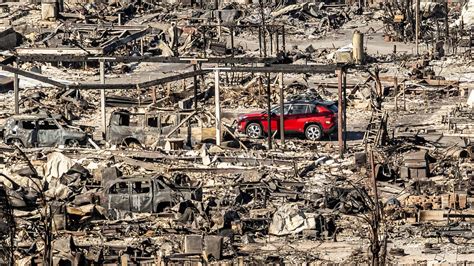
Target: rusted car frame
{"x":142,"y":129}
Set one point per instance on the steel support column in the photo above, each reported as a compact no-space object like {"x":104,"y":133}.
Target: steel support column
{"x":102,"y":98}
{"x":218,"y":107}
{"x":16,"y":92}
{"x":282,"y":113}
{"x":195,"y":88}
{"x":340,"y":113}
{"x":344,"y":106}
{"x":269,"y":113}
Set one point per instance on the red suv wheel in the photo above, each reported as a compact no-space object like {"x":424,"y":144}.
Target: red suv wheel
{"x":313,"y":132}
{"x":254,"y":130}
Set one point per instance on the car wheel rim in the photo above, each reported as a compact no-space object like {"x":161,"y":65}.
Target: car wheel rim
{"x":74,"y":143}
{"x":253,"y":131}
{"x":313,"y":133}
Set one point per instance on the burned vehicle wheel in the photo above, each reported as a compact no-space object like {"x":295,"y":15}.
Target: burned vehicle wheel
{"x":131,"y":144}
{"x":313,"y":132}
{"x":134,"y":145}
{"x":74,"y":143}
{"x":16,"y":142}
{"x":254,"y":130}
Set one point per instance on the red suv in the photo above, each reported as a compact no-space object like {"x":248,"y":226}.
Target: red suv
{"x":313,"y":118}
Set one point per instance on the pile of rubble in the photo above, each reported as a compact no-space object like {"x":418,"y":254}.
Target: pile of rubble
{"x":238,"y":133}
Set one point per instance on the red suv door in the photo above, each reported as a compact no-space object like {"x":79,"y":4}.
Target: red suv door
{"x":275,"y":120}
{"x":296,"y":118}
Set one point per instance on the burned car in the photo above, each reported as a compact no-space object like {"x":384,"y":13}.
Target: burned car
{"x":138,"y":129}
{"x":40,"y":131}
{"x":145,"y":194}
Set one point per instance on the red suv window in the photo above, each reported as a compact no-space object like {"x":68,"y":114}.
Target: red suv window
{"x":297,"y":109}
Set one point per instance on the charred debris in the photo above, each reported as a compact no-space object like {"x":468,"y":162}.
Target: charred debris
{"x":137,"y":132}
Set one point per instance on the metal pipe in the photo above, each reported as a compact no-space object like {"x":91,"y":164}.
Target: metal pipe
{"x":344,"y":107}
{"x":340,"y":114}
{"x":277,"y":41}
{"x":282,"y":113}
{"x":264,"y":28}
{"x":269,"y":113}
{"x":395,"y":85}
{"x":283,"y":39}
{"x":195,"y":88}
{"x":446,"y":23}
{"x":232,"y":40}
{"x":271,"y":42}
{"x":218,"y":107}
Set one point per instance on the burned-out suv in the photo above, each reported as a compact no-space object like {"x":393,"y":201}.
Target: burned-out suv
{"x":40,"y":131}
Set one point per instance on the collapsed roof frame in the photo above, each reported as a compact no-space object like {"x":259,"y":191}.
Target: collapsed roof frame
{"x":340,"y":70}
